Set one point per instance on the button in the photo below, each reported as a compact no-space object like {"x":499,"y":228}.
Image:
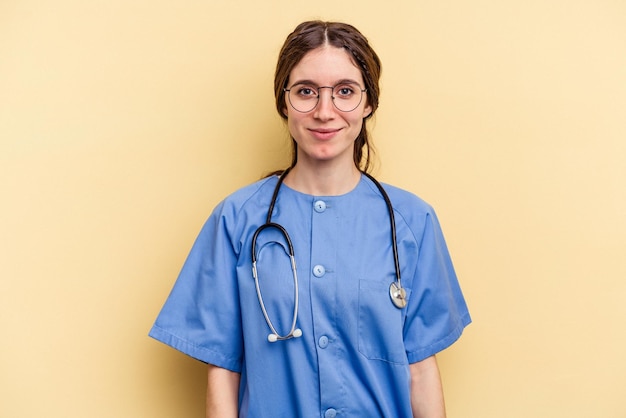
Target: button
{"x":319,"y":206}
{"x":330,"y":413}
{"x":323,"y":341}
{"x":319,"y":270}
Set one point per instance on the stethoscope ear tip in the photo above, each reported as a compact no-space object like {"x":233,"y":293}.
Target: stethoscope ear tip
{"x":295,"y":334}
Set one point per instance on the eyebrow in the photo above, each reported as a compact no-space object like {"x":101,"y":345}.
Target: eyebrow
{"x":311,"y":82}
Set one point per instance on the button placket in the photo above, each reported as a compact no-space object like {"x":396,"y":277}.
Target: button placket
{"x":319,"y":206}
{"x":323,"y":258}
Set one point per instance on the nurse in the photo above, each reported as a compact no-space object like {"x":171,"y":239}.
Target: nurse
{"x":322,"y":337}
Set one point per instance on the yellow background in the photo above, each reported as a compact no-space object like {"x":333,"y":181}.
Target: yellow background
{"x":122,"y":123}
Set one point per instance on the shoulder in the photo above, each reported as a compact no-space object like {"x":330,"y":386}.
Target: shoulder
{"x":260,"y":190}
{"x":410,"y":210}
{"x":243,"y":209}
{"x":404,"y":201}
{"x":253,"y":194}
{"x":245,"y":204}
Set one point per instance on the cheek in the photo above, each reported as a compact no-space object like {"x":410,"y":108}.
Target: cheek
{"x":357,"y":123}
{"x":292,"y":125}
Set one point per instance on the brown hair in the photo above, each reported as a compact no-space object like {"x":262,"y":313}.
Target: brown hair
{"x":313,"y":34}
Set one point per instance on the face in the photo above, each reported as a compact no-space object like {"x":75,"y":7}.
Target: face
{"x":325,"y":134}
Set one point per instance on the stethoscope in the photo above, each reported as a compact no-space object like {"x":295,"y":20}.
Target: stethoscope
{"x":396,"y":291}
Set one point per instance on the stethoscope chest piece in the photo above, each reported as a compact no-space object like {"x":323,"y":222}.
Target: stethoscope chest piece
{"x":398,"y":295}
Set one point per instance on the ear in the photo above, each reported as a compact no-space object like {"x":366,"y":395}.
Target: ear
{"x":367,"y":111}
{"x":285,"y":112}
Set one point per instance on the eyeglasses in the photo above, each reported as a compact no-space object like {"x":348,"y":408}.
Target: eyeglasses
{"x":345,"y":96}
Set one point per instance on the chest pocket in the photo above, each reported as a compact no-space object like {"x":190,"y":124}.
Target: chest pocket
{"x":380,"y":323}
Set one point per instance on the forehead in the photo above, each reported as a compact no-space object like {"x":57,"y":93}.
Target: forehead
{"x":326,"y":65}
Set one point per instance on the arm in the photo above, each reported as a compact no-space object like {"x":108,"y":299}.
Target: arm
{"x":222,"y":393}
{"x":426,"y":390}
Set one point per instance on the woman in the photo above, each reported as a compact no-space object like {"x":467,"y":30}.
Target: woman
{"x":336,"y":333}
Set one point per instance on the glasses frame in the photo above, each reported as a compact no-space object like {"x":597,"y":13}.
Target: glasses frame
{"x":332,"y":97}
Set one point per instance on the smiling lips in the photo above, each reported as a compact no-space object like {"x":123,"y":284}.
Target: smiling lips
{"x":324,"y":133}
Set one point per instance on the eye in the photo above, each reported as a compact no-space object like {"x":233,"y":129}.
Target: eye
{"x":306,"y":92}
{"x":344,"y":91}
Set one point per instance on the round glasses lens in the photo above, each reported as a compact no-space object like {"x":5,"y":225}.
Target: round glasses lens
{"x":303,"y":99}
{"x":347,"y":97}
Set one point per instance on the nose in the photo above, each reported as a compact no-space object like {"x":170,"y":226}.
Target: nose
{"x":325,"y":108}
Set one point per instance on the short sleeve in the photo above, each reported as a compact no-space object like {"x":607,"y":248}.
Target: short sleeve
{"x":201,"y":316}
{"x":436,"y":312}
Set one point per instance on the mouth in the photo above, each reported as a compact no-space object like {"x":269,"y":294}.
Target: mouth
{"x":324,"y":133}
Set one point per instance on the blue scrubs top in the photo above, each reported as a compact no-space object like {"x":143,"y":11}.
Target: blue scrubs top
{"x":352,"y":359}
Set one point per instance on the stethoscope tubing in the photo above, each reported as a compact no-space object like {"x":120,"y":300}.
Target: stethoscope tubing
{"x":396,"y":291}
{"x":275,"y":336}
{"x":392,"y":222}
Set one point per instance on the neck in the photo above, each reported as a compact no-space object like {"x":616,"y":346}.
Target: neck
{"x":323,"y":181}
